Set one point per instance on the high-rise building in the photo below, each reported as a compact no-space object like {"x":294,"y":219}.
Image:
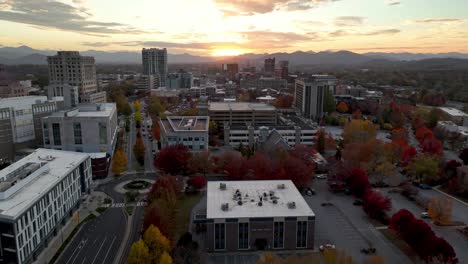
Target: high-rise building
{"x":39,"y":194}
{"x":283,"y":70}
{"x":179,"y":80}
{"x":309,"y":94}
{"x":70,"y":68}
{"x":269,"y":65}
{"x":155,"y":63}
{"x":231,"y":70}
{"x":9,"y":87}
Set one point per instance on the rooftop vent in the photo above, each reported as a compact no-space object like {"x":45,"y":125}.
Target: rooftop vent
{"x":239,"y":202}
{"x":225,"y":206}
{"x":222,"y":186}
{"x":291,"y":205}
{"x":275,"y":201}
{"x":260,"y":203}
{"x":281,"y":186}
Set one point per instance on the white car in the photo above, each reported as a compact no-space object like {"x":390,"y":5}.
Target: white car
{"x":326,"y":246}
{"x":321,"y":176}
{"x":425,"y":215}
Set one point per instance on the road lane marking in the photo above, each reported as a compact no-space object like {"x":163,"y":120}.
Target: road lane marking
{"x":97,"y":254}
{"x":80,"y":247}
{"x":104,"y":261}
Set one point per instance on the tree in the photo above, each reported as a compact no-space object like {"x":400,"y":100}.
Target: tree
{"x":376,"y":205}
{"x":424,"y":168}
{"x":359,"y":131}
{"x":440,"y":210}
{"x":190,"y":112}
{"x":200,"y":163}
{"x":137,"y":116}
{"x":139,"y":150}
{"x":400,"y":220}
{"x":433,"y":118}
{"x":357,"y":114}
{"x":329,"y":104}
{"x":261,"y":167}
{"x":237,"y":168}
{"x":137,"y":105}
{"x":197,"y":182}
{"x":342,"y":107}
{"x":155,"y":107}
{"x":464,"y":156}
{"x":383,"y":171}
{"x":157,"y":132}
{"x":358,"y":182}
{"x":423,"y":133}
{"x":320,"y":141}
{"x":283,"y":101}
{"x":157,"y":243}
{"x":432,"y":146}
{"x":160,"y":215}
{"x":408,"y":155}
{"x":173,"y":159}
{"x":165,"y":188}
{"x":139,"y":253}
{"x":119,"y":162}
{"x":295,"y":169}
{"x":165,"y":258}
{"x":450,"y":169}
{"x":186,"y":250}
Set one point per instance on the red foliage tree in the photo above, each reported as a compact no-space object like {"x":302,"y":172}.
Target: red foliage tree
{"x":165,"y":187}
{"x":376,"y":205}
{"x":432,"y":146}
{"x":358,"y":182}
{"x":408,"y":155}
{"x":161,"y":217}
{"x":157,"y":132}
{"x":261,"y":166}
{"x":294,"y":169}
{"x":237,"y":168}
{"x":423,"y":133}
{"x":450,"y":168}
{"x":283,"y":101}
{"x":173,"y":159}
{"x":464,"y":156}
{"x":197,"y":182}
{"x":400,"y":220}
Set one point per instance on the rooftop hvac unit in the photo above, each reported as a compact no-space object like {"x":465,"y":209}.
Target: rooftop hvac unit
{"x":281,"y":186}
{"x":291,"y":205}
{"x":222,"y":186}
{"x":225,"y":206}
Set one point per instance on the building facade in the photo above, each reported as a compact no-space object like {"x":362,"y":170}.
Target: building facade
{"x":269,"y":65}
{"x":257,"y":215}
{"x":309,"y":95}
{"x":250,"y":135}
{"x":155,"y":63}
{"x":38,"y":195}
{"x":179,"y":80}
{"x":242,"y":113}
{"x":264,"y":83}
{"x":89,"y":128}
{"x":190,"y":131}
{"x":70,"y":68}
{"x":7,"y":146}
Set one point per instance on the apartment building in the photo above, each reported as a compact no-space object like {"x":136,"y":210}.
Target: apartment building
{"x":242,"y":113}
{"x":38,"y":195}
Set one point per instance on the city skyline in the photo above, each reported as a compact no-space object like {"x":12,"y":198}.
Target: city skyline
{"x":224,"y":28}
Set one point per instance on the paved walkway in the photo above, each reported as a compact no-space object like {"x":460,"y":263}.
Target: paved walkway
{"x":94,"y":200}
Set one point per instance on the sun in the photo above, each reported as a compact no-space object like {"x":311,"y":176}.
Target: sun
{"x":224,"y":52}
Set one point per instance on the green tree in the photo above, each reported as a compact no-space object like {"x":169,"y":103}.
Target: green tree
{"x":329,"y":104}
{"x":119,"y":162}
{"x":433,"y":118}
{"x":359,"y":131}
{"x":155,"y":107}
{"x":139,"y":253}
{"x":137,"y":117}
{"x":424,"y":168}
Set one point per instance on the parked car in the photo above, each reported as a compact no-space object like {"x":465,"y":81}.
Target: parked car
{"x":425,"y":215}
{"x":327,"y":246}
{"x":321,"y":176}
{"x":357,"y":202}
{"x":424,"y":186}
{"x":310,"y":191}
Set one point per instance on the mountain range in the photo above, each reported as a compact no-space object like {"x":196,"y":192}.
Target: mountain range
{"x":27,"y":55}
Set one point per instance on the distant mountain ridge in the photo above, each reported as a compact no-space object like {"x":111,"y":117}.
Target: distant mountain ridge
{"x":27,"y":55}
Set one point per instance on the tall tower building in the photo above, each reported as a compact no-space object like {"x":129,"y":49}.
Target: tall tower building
{"x":284,"y":69}
{"x":270,"y":65}
{"x":309,"y":94}
{"x":70,"y":69}
{"x":155,"y":63}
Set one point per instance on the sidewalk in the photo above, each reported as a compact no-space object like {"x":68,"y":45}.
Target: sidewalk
{"x":89,"y":206}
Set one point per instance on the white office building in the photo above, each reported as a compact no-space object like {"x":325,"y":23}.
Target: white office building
{"x":190,"y":131}
{"x":38,"y":195}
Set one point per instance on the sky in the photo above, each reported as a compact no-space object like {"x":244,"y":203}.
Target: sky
{"x":232,"y":27}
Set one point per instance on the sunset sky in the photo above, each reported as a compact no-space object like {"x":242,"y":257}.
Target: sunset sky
{"x":231,"y":27}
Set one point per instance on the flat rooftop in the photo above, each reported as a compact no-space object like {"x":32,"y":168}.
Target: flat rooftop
{"x":88,"y":110}
{"x":34,"y":176}
{"x":250,"y":193}
{"x":453,"y":111}
{"x":20,"y":102}
{"x":185,"y":123}
{"x":240,"y":106}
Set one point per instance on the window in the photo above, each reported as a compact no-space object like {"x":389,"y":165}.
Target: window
{"x":77,"y":133}
{"x":220,"y":234}
{"x":102,"y":133}
{"x":243,"y":235}
{"x":56,"y":134}
{"x":278,"y":235}
{"x":46,"y":134}
{"x":301,"y":236}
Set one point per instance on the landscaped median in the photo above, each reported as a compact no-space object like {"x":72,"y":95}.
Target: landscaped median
{"x":70,"y":237}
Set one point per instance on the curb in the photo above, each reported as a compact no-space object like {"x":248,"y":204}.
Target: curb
{"x":451,"y":196}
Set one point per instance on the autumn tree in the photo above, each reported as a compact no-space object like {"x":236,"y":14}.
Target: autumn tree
{"x":200,"y":162}
{"x":432,"y":146}
{"x":236,"y":168}
{"x":359,"y":131}
{"x":423,"y":133}
{"x":197,"y":182}
{"x":186,"y":250}
{"x":342,"y":107}
{"x":283,"y":101}
{"x":408,"y":156}
{"x":173,"y":159}
{"x":295,"y":169}
{"x":139,"y":150}
{"x":261,"y":167}
{"x":137,"y":105}
{"x":424,"y":168}
{"x":119,"y":162}
{"x":155,"y":107}
{"x":440,"y":210}
{"x":376,"y":205}
{"x":166,"y":188}
{"x":464,"y":156}
{"x":137,"y":117}
{"x":165,"y":258}
{"x":157,"y":132}
{"x":358,"y":182}
{"x":157,"y":243}
{"x":139,"y":253}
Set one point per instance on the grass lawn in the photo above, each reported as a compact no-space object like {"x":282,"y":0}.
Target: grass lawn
{"x":402,"y":245}
{"x":183,"y":210}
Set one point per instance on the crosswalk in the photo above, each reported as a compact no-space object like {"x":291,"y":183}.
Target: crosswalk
{"x":120,"y":205}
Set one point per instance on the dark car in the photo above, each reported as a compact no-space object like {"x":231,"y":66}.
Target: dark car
{"x":357,"y":202}
{"x":424,"y":186}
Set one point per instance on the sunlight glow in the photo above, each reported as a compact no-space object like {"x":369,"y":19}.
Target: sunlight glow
{"x":227,"y":52}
